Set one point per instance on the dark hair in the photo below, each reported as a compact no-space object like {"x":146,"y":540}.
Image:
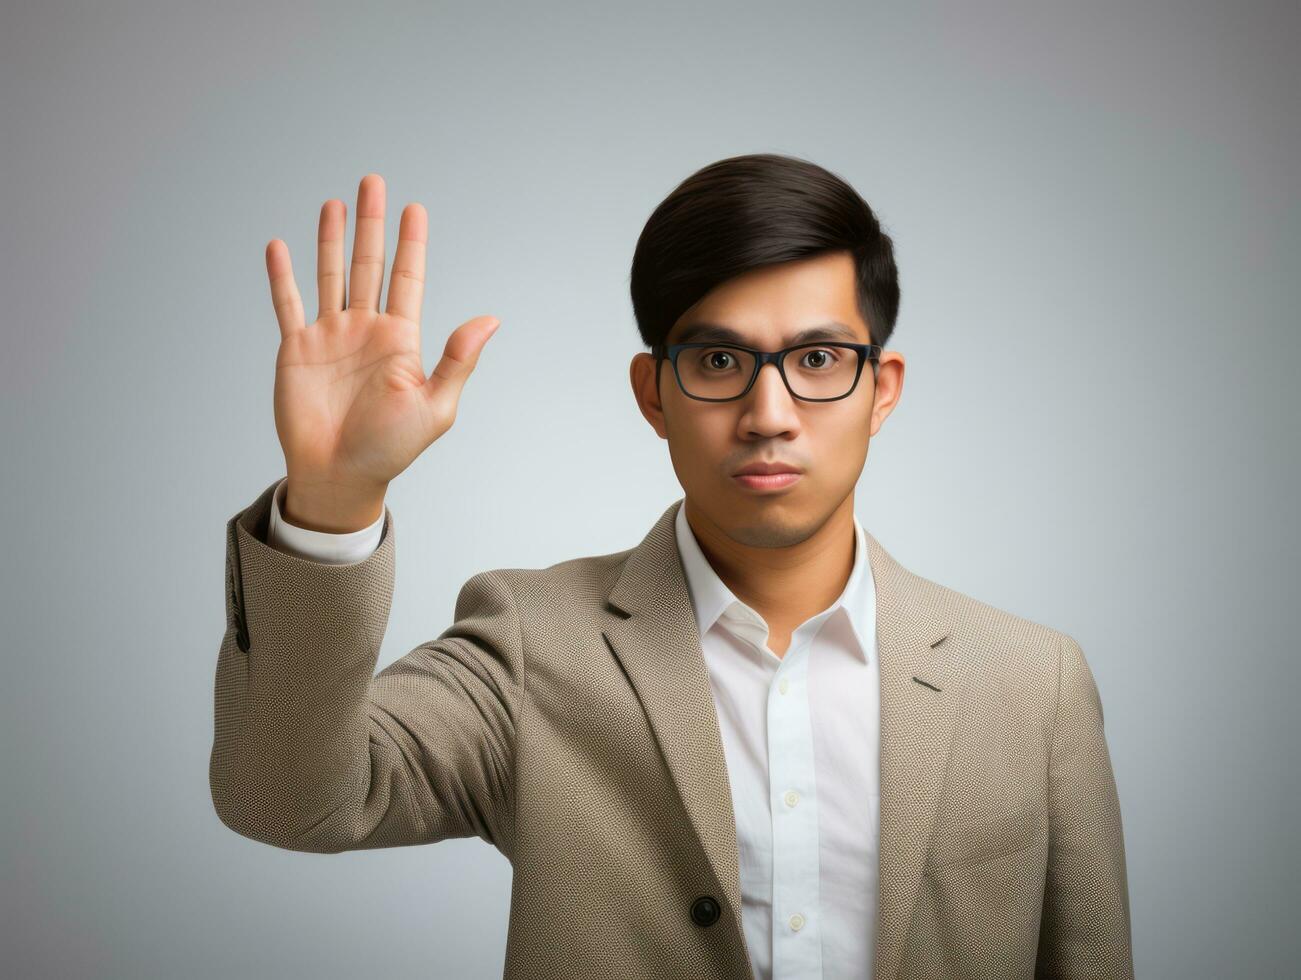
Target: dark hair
{"x":744,"y":212}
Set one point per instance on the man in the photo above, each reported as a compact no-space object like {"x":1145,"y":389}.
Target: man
{"x":753,"y":744}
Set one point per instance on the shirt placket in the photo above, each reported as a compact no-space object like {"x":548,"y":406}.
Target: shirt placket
{"x":797,"y":922}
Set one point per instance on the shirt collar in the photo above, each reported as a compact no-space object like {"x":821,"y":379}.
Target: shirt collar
{"x":712,"y":600}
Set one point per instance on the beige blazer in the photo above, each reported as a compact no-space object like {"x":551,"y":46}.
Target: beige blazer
{"x":566,"y":718}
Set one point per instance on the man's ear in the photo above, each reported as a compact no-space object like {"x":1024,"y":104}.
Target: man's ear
{"x":641,"y":373}
{"x":887,"y":387}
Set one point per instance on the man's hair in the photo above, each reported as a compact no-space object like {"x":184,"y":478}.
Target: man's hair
{"x":745,"y":212}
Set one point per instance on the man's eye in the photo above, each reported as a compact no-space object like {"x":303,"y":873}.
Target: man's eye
{"x":822,"y":357}
{"x":716,"y":358}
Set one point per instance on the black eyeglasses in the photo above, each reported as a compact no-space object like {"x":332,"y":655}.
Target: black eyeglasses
{"x":714,"y":372}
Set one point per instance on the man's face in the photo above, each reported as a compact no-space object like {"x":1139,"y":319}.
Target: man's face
{"x":827,"y":441}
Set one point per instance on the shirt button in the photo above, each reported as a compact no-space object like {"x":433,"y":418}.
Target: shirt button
{"x":797,"y":922}
{"x":791,"y":799}
{"x":782,"y":685}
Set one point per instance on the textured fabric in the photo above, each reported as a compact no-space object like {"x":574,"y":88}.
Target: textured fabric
{"x":801,"y":738}
{"x":565,"y":717}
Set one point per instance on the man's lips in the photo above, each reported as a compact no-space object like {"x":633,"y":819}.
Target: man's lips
{"x":765,"y":469}
{"x":766,"y":481}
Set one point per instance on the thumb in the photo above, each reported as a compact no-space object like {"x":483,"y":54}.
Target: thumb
{"x":460,"y":355}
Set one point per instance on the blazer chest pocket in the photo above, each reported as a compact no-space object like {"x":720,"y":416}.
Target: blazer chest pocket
{"x":959,"y":844}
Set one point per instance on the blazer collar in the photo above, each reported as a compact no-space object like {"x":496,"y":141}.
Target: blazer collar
{"x":651,"y":629}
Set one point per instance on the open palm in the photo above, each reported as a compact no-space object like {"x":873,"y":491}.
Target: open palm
{"x":353,"y":407}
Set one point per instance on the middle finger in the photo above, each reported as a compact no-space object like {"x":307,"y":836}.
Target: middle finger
{"x":367,"y":272}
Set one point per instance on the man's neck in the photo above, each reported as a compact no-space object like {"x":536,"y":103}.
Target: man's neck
{"x":784,"y":585}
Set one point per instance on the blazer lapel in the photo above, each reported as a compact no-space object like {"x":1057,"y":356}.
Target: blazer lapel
{"x":654,"y":636}
{"x":651,"y":630}
{"x":921,"y":675}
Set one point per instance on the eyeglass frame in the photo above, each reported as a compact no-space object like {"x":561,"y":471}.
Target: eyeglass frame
{"x":866,"y":353}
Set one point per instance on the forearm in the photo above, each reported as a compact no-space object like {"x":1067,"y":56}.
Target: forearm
{"x":292,"y":730}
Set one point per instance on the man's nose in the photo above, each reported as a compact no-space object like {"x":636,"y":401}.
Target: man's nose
{"x":770,"y":406}
{"x":770,"y":384}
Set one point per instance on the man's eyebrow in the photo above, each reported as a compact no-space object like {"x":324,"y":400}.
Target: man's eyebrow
{"x":703,"y":332}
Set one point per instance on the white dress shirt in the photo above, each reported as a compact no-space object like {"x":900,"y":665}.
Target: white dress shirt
{"x":801,"y":737}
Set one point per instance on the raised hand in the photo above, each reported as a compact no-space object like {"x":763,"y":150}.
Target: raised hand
{"x":353,"y":407}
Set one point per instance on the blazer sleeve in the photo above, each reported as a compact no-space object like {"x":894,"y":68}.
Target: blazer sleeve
{"x":314,"y":752}
{"x":1085,"y":926}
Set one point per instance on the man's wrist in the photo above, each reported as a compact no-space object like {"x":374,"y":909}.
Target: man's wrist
{"x":333,"y":512}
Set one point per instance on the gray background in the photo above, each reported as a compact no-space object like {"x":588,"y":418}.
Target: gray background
{"x":1095,"y":213}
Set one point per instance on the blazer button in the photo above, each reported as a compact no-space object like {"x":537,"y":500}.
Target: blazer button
{"x":704,"y":911}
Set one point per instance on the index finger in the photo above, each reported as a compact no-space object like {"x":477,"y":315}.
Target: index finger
{"x":406,"y":287}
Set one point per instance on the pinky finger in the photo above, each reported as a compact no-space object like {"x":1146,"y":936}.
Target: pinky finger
{"x":284,"y":291}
